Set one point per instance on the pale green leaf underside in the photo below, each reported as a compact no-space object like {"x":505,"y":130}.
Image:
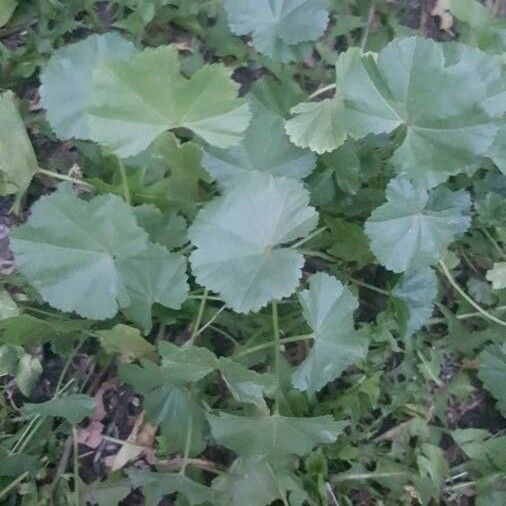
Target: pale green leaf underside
{"x":69,"y":250}
{"x":238,"y":238}
{"x":492,"y":372}
{"x":265,"y":148}
{"x":134,"y":101}
{"x":412,"y":228}
{"x":328,"y":308}
{"x":66,"y":86}
{"x":17,"y":159}
{"x":276,"y":436}
{"x":414,"y":83}
{"x":280,"y":29}
{"x":418,"y":290}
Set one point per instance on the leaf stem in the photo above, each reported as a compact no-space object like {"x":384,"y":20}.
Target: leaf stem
{"x":309,"y":237}
{"x":198,"y":320}
{"x":283,"y":340}
{"x":76,"y":465}
{"x":463,"y":316}
{"x":63,"y":177}
{"x":188,"y":443}
{"x":277,"y":350}
{"x":368,"y":286}
{"x":444,"y":269}
{"x":322,"y":90}
{"x":370,"y":18}
{"x":124,"y":182}
{"x":13,"y":484}
{"x":496,"y":245}
{"x":211,"y":320}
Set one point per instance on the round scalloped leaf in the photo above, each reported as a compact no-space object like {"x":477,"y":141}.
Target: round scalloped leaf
{"x":134,"y":101}
{"x":265,"y":148}
{"x":239,"y":238}
{"x":412,"y":228}
{"x":328,"y":308}
{"x":17,"y":159}
{"x":70,"y":249}
{"x":65,"y":91}
{"x":416,"y":84}
{"x":280,"y":29}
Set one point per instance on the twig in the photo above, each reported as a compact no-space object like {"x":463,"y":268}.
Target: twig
{"x":370,"y":18}
{"x":198,"y":320}
{"x":63,"y":177}
{"x":13,"y":484}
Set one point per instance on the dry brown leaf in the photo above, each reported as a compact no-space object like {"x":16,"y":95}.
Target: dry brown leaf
{"x":442,"y":11}
{"x":140,"y":441}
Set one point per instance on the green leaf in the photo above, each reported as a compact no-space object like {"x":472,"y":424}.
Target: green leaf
{"x":246,"y":385}
{"x":14,"y":361}
{"x":73,"y":408}
{"x":8,"y":308}
{"x":280,"y":28}
{"x":66,"y":90}
{"x":328,"y":308}
{"x":318,"y":126}
{"x":7,"y":8}
{"x":157,"y":485}
{"x":172,"y":171}
{"x":17,"y":159}
{"x":349,"y":242}
{"x":70,"y":249}
{"x":105,"y":493}
{"x":134,"y":101}
{"x":497,"y":275}
{"x":414,"y":83}
{"x":125,"y":341}
{"x":153,"y":276}
{"x":413,"y":227}
{"x":238,"y":238}
{"x":492,"y":372}
{"x":418,"y":291}
{"x":171,"y":408}
{"x":498,"y":150}
{"x":273,"y":436}
{"x":167,"y":229}
{"x":265,"y":148}
{"x":251,"y":477}
{"x":187,"y":363}
{"x":167,"y":402}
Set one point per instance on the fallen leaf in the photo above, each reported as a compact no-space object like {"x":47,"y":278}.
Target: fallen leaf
{"x":140,"y":441}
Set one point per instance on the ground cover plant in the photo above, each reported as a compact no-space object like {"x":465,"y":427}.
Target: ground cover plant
{"x":252,"y":252}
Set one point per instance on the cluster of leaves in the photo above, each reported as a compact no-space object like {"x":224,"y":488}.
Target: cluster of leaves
{"x":259,"y":266}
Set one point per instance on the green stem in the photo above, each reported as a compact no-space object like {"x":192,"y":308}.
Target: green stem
{"x":368,"y":476}
{"x":68,"y":363}
{"x":211,"y":320}
{"x":322,"y":90}
{"x":187,"y":445}
{"x":76,"y":465}
{"x":368,"y":286}
{"x":444,"y":269}
{"x":63,"y":177}
{"x":370,"y":18}
{"x":496,"y":245}
{"x":13,"y":484}
{"x":463,"y":316}
{"x":309,"y":237}
{"x":198,"y":320}
{"x":283,"y":340}
{"x":277,"y":350}
{"x":124,"y":182}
